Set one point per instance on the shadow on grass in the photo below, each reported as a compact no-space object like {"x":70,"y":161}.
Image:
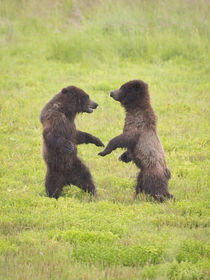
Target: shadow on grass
{"x":124,"y":196}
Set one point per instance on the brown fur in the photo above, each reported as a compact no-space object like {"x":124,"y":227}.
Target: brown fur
{"x":60,"y":138}
{"x":141,"y":140}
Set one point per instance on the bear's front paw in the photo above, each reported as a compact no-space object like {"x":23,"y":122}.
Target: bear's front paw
{"x":124,"y":157}
{"x":102,"y":153}
{"x":98,"y":143}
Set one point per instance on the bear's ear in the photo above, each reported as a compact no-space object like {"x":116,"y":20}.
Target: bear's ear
{"x":136,"y":86}
{"x":64,"y":90}
{"x":140,"y":86}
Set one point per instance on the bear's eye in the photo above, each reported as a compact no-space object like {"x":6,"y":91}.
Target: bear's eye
{"x":86,"y":98}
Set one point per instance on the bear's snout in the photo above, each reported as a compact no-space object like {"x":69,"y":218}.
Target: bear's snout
{"x":94,"y":105}
{"x":115,"y":95}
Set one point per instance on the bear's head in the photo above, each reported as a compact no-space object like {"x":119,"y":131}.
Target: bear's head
{"x":132,"y":94}
{"x":74,"y":100}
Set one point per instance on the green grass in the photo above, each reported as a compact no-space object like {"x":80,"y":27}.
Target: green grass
{"x":98,"y":45}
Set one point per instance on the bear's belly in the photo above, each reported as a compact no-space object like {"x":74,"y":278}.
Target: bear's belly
{"x":56,"y":159}
{"x":148,"y":152}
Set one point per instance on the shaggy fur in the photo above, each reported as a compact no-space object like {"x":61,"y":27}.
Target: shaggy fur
{"x":141,"y":140}
{"x":60,"y":138}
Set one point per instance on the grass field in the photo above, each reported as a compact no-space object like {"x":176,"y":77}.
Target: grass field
{"x":98,"y":45}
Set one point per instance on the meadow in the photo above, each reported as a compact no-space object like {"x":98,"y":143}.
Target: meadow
{"x":97,"y":46}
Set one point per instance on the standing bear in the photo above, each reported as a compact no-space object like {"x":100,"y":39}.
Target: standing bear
{"x":141,"y":140}
{"x":60,"y":138}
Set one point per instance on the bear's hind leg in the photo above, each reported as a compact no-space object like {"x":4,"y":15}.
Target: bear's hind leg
{"x":139,"y":184}
{"x":156,"y":185}
{"x":80,"y":176}
{"x":54,"y":183}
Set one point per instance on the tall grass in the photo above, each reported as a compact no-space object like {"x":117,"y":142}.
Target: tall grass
{"x":77,"y":31}
{"x":98,"y":45}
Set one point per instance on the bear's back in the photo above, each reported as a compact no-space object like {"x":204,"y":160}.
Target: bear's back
{"x":56,"y":124}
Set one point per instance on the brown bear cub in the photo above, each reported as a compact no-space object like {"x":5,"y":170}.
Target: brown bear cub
{"x":60,"y":138}
{"x":141,"y":140}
